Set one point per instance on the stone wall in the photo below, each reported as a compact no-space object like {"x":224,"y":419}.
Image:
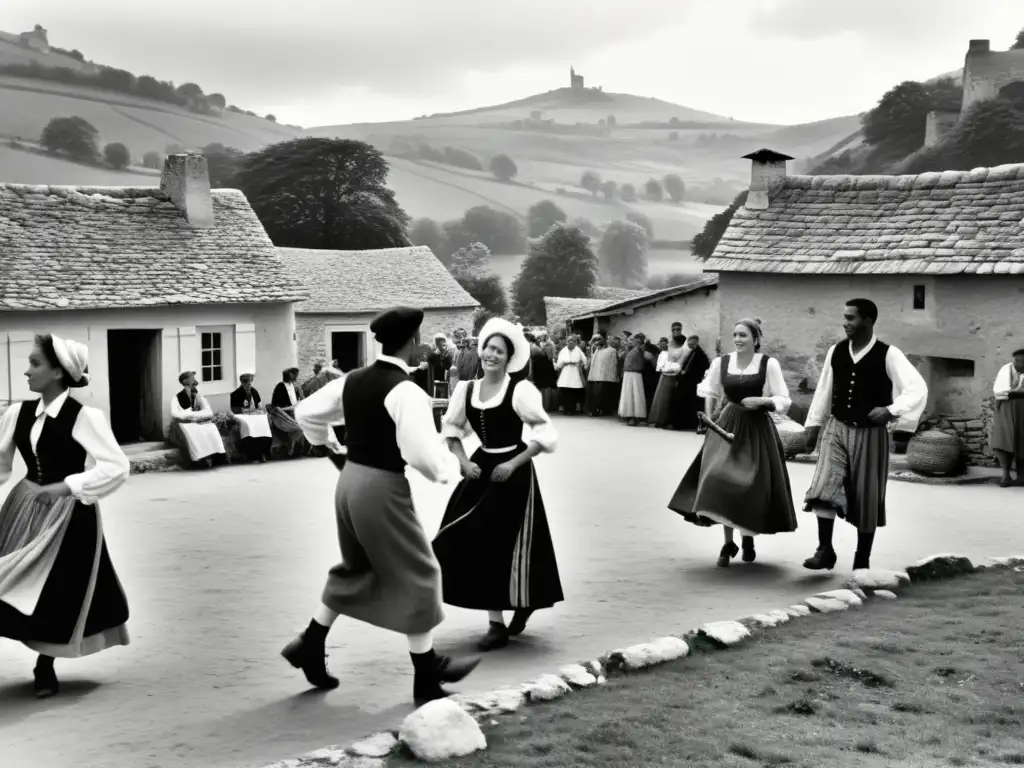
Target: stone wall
{"x":971,"y":319}
{"x":697,"y":311}
{"x":938,"y":125}
{"x":986,"y":72}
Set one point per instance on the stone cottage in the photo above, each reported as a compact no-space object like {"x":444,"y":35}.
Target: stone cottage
{"x":347,"y":288}
{"x":941,"y":254}
{"x":155,"y":281}
{"x":694,"y":304}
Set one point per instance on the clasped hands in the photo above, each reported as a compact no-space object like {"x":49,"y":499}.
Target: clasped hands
{"x":499,"y":474}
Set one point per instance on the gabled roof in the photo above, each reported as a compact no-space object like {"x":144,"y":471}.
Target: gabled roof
{"x":124,"y":247}
{"x":558,"y":309}
{"x":949,"y":223}
{"x":342,"y":282}
{"x":650,"y":297}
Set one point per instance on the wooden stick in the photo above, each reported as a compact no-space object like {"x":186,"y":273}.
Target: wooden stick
{"x":729,"y":437}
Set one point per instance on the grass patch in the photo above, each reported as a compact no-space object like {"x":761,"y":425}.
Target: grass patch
{"x":935,"y":678}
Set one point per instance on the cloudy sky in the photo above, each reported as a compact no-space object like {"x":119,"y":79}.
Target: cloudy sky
{"x":322,"y":62}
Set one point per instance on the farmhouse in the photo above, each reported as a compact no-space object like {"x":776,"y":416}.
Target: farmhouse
{"x":941,"y":254}
{"x":347,"y":288}
{"x":695,"y":305}
{"x":155,"y":281}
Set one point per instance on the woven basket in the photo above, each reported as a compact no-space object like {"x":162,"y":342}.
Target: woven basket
{"x":934,"y":453}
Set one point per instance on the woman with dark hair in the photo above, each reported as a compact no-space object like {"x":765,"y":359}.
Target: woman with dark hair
{"x":494,"y":546}
{"x":282,"y":412}
{"x":59,"y":593}
{"x":741,"y":483}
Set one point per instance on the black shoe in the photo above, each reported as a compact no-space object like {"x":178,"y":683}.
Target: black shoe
{"x":432,"y":670}
{"x":519,"y":619}
{"x":729,"y":551}
{"x":46,"y":683}
{"x":312,"y":660}
{"x":822,"y":560}
{"x":749,"y":554}
{"x":496,"y":637}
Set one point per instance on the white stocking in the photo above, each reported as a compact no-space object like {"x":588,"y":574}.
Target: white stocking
{"x":324,"y":616}
{"x":498,"y":617}
{"x":421,"y":643}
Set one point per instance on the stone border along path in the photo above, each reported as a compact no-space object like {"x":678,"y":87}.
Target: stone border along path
{"x":449,"y":728}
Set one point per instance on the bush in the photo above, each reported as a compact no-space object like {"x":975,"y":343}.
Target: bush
{"x":675,"y":187}
{"x":117,"y":155}
{"x":653,"y":190}
{"x":542,"y":216}
{"x":462,"y":159}
{"x":591,"y":181}
{"x":153,"y":160}
{"x":642,"y":221}
{"x":72,"y":136}
{"x":503,"y":167}
{"x":608,"y":189}
{"x":628,"y":193}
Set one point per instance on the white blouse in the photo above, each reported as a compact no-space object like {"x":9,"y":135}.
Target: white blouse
{"x":571,"y":364}
{"x":106,"y":466}
{"x":775,"y":388}
{"x":201,"y":411}
{"x":526,"y":401}
{"x":1007,"y":381}
{"x":289,"y":387}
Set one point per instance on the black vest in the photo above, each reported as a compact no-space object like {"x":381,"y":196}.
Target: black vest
{"x":857,"y":388}
{"x":370,"y":434}
{"x":186,"y":401}
{"x":57,"y":455}
{"x":498,"y":427}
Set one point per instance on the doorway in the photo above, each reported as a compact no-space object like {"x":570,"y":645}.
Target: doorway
{"x":133,"y":358}
{"x":349,"y":349}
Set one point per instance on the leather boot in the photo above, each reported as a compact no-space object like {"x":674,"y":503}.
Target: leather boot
{"x":821,"y":560}
{"x":519,"y":619}
{"x":496,"y":637}
{"x":431,"y":670}
{"x":45,"y":678}
{"x":729,"y":551}
{"x":749,"y":553}
{"x":862,"y":559}
{"x":311,"y":658}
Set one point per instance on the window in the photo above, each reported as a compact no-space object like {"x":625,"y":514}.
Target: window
{"x":212,"y":347}
{"x":919,"y":295}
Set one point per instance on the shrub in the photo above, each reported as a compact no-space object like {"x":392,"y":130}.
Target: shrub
{"x":117,"y":155}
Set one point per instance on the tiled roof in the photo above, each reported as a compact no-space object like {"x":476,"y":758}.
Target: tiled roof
{"x":647,"y":298}
{"x":559,"y":309}
{"x":369,"y":281}
{"x":948,"y":223}
{"x":615,"y":294}
{"x":123,"y":247}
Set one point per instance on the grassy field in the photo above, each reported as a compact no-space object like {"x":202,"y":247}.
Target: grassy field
{"x":935,"y":678}
{"x":18,"y":167}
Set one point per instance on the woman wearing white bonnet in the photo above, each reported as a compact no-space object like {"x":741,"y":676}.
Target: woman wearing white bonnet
{"x":494,"y":546}
{"x":59,"y":592}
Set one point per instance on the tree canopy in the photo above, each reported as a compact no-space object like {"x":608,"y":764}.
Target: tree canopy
{"x":469,"y":268}
{"x":323,"y":193}
{"x":704,"y":243}
{"x":73,"y":136}
{"x":623,"y":255}
{"x":503,"y":167}
{"x":561,"y":263}
{"x":543,"y":215}
{"x":674,"y":187}
{"x":117,"y":155}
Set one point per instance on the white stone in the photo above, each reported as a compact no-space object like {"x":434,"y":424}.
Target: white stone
{"x":796,"y":611}
{"x":780,"y":615}
{"x":885,"y":594}
{"x":726,"y":633}
{"x":847,"y":596}
{"x":657,"y":652}
{"x":329,"y":755}
{"x":578,"y":675}
{"x":878,"y":578}
{"x":441,"y":730}
{"x":595,"y":668}
{"x":547,"y":688}
{"x":772,"y":619}
{"x":860,"y":593}
{"x":932,"y":558}
{"x":826,"y":604}
{"x":508,"y":700}
{"x":377,"y":745}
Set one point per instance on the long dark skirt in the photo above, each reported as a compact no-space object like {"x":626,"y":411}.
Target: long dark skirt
{"x":660,"y":414}
{"x":571,"y":399}
{"x":602,"y":398}
{"x":494,"y":545}
{"x":80,"y":607}
{"x":743,"y":484}
{"x":686,"y":404}
{"x":1008,"y":428}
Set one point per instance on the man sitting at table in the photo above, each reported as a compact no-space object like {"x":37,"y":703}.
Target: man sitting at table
{"x":254,"y":432}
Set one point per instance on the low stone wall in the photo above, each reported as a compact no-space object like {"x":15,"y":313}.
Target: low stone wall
{"x":972,"y":431}
{"x":451,"y":728}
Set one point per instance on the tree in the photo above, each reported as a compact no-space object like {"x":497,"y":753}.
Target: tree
{"x":1018,"y":43}
{"x":653,"y":190}
{"x":608,"y":189}
{"x":153,"y":160}
{"x":73,"y":136}
{"x":428,"y":232}
{"x":561,"y":263}
{"x":899,"y":118}
{"x":117,"y":155}
{"x":189,"y":91}
{"x":623,"y":254}
{"x":611,"y":121}
{"x":500,"y":231}
{"x":704,"y":243}
{"x":113,"y":79}
{"x":543,"y":215}
{"x":673,"y":135}
{"x":628,"y":193}
{"x":591,"y":181}
{"x":675,"y":187}
{"x":471,"y":259}
{"x":271,"y":118}
{"x":945,"y":95}
{"x":503,"y":167}
{"x":217,"y":100}
{"x":323,"y":193}
{"x":223,"y":163}
{"x":642,"y":221}
{"x":991,"y":133}
{"x":587,"y":227}
{"x":469,"y":268}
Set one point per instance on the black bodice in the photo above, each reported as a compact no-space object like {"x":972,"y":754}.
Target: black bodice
{"x":57,"y":454}
{"x":498,"y":427}
{"x":738,"y":386}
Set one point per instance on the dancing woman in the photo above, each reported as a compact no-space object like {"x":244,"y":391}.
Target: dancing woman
{"x":59,"y":593}
{"x":744,"y":484}
{"x":494,"y":545}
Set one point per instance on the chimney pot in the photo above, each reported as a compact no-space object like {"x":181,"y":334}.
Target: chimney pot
{"x":767,"y":175}
{"x":186,"y":180}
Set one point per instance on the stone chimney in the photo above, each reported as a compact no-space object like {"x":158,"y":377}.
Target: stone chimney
{"x":186,"y":180}
{"x":979,"y":46}
{"x":767,"y":175}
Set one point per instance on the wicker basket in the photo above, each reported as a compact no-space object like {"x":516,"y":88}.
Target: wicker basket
{"x":934,"y":452}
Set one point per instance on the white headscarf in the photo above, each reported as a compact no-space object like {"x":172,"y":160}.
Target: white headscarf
{"x":73,"y":357}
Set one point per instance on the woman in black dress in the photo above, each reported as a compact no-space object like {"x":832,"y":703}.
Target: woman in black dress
{"x":59,"y":593}
{"x":744,"y":484}
{"x":494,"y":546}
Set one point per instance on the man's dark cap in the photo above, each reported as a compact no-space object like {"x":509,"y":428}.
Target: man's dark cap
{"x":395,"y":326}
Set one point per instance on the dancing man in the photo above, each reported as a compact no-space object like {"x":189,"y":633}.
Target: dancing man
{"x":388,"y":576}
{"x":866,"y":385}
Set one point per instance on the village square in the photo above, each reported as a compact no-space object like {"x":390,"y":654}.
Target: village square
{"x":211,"y":384}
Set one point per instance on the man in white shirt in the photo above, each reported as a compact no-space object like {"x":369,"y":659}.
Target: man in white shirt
{"x":865,"y":386}
{"x":388,"y":576}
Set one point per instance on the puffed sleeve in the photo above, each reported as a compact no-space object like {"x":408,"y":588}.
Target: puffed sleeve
{"x":106,"y":466}
{"x":205,"y":409}
{"x":711,"y":386}
{"x":1003,"y":383}
{"x":529,"y":406}
{"x":454,"y":423}
{"x":821,"y":404}
{"x":7,"y":422}
{"x":318,"y":413}
{"x":775,"y":388}
{"x":177,"y":412}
